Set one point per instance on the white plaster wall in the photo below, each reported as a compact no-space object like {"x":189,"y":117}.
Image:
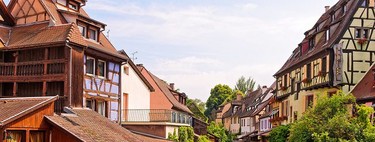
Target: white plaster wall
{"x":170,"y":129}
{"x":137,"y":90}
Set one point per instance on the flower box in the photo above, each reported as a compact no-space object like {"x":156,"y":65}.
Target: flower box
{"x":322,"y":73}
{"x":362,"y":41}
{"x":306,"y":80}
{"x":283,"y":88}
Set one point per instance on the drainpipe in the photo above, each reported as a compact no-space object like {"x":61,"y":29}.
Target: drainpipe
{"x":70,"y":73}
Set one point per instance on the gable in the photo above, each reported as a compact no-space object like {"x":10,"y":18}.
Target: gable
{"x":5,"y":17}
{"x":28,"y":11}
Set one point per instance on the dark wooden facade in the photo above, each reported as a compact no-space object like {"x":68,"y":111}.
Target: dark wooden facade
{"x":51,"y":59}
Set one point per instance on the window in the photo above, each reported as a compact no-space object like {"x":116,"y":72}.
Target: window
{"x":333,"y":17}
{"x":82,"y":29}
{"x":37,"y":136}
{"x":327,"y":35}
{"x":101,"y":68}
{"x":93,"y":35}
{"x":324,"y":65}
{"x":309,"y":101}
{"x":90,"y":65}
{"x":101,"y":108}
{"x":90,"y":104}
{"x":308,"y":71}
{"x":365,"y":3}
{"x":311,"y":43}
{"x":126,"y":70}
{"x":15,"y":136}
{"x":361,"y":33}
{"x":285,"y":80}
{"x":344,"y":9}
{"x":73,"y":6}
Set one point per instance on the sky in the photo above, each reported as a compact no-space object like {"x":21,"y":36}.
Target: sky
{"x":198,"y":44}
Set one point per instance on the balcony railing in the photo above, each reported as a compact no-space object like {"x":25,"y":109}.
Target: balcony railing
{"x":155,"y":115}
{"x":33,"y":68}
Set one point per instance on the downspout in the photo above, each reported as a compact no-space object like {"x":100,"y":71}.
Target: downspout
{"x":70,"y":73}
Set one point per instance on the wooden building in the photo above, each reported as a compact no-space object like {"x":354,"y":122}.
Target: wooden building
{"x":32,"y":119}
{"x":335,"y":54}
{"x":52,"y":47}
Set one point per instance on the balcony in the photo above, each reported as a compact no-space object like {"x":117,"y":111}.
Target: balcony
{"x":155,"y":116}
{"x":32,"y":68}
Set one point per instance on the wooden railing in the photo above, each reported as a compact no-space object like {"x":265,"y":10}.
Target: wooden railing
{"x":155,"y":115}
{"x":33,"y":68}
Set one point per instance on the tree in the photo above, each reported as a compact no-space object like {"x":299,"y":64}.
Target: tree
{"x":280,"y":133}
{"x":203,"y":139}
{"x":331,"y":120}
{"x":218,"y":95}
{"x":219,"y":131}
{"x":245,"y":85}
{"x":197,"y":107}
{"x":185,"y":134}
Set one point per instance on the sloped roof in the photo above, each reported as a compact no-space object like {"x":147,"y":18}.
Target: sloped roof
{"x":168,"y":93}
{"x":40,"y":34}
{"x":14,"y":108}
{"x":89,"y":126}
{"x":337,"y":29}
{"x":365,"y":88}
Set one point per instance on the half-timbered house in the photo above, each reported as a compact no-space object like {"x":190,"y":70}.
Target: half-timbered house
{"x":335,"y":54}
{"x":52,"y":47}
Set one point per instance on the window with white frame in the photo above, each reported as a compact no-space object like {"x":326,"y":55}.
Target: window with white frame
{"x":361,"y":33}
{"x":101,"y":108}
{"x":82,"y":29}
{"x":101,"y":68}
{"x":90,"y":65}
{"x":327,"y":35}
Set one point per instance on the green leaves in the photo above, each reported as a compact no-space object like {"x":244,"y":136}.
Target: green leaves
{"x":331,"y":121}
{"x":218,"y":95}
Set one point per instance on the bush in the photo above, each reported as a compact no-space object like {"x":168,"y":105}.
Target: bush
{"x":185,"y":134}
{"x":203,"y":139}
{"x":280,"y":133}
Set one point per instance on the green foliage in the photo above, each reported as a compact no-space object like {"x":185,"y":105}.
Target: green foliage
{"x":218,"y":95}
{"x":280,"y":133}
{"x":203,"y":139}
{"x":219,"y":131}
{"x":197,"y":107}
{"x":185,"y":134}
{"x":234,"y":95}
{"x":244,"y":84}
{"x":331,"y":121}
{"x":173,"y":137}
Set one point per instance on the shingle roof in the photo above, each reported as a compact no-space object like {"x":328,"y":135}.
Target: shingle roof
{"x":166,"y":90}
{"x":13,"y":108}
{"x":89,"y":126}
{"x":337,"y":29}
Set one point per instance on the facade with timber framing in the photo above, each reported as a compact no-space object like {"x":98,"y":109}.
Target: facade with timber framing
{"x":335,"y":54}
{"x":52,"y":47}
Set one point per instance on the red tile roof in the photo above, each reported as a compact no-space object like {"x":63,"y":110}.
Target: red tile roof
{"x":338,"y":28}
{"x":89,"y":126}
{"x":14,"y":108}
{"x":365,"y":88}
{"x":165,"y":88}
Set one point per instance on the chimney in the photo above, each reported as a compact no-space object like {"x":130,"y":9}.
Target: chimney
{"x":239,"y":97}
{"x":171,"y":85}
{"x":327,"y":8}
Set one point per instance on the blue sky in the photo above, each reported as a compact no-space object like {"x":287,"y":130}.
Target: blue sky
{"x":200,"y":43}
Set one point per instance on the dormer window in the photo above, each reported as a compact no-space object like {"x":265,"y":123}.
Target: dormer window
{"x":82,"y":29}
{"x":73,"y":6}
{"x":344,"y":9}
{"x":333,"y":17}
{"x":311,"y":43}
{"x":93,"y":34}
{"x":327,"y":35}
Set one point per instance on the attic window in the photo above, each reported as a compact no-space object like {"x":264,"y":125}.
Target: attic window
{"x":93,"y":34}
{"x":73,"y":5}
{"x":333,"y":17}
{"x":82,"y":29}
{"x":327,"y":35}
{"x":365,"y":3}
{"x":344,"y":9}
{"x":311,"y":43}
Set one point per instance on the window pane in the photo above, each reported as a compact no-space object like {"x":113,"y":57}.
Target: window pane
{"x":15,"y":136}
{"x":358,"y":33}
{"x":37,"y":136}
{"x":90,"y":66}
{"x":365,"y":33}
{"x":82,"y":29}
{"x":92,"y":34}
{"x":101,"y":68}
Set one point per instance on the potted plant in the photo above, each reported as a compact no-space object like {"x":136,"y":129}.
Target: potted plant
{"x":321,"y":73}
{"x":362,"y":40}
{"x":306,"y":80}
